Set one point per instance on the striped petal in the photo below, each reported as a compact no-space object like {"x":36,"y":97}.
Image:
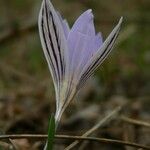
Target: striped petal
{"x":100,"y":55}
{"x":54,"y":44}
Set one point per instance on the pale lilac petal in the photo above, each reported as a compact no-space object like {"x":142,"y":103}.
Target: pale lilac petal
{"x":87,"y":52}
{"x":93,"y":45}
{"x":85,"y":24}
{"x":77,"y":39}
{"x":79,"y":47}
{"x":65,"y":25}
{"x":98,"y":41}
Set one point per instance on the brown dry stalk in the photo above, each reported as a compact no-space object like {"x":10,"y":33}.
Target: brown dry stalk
{"x":101,"y":140}
{"x":135,"y":121}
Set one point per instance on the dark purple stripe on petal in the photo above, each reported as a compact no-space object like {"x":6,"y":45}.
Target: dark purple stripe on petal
{"x":46,"y":45}
{"x":58,"y":45}
{"x":52,"y":44}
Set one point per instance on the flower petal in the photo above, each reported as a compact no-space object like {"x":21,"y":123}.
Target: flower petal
{"x":85,"y":24}
{"x":65,"y":25}
{"x":100,"y":55}
{"x":54,"y":44}
{"x":82,"y":30}
{"x":93,"y":45}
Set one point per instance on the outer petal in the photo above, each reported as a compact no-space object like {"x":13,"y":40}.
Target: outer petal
{"x":54,"y":44}
{"x":100,"y":55}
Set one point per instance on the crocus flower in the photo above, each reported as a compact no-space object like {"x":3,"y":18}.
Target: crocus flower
{"x":72,"y":54}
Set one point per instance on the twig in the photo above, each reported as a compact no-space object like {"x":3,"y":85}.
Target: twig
{"x":15,"y":147}
{"x":98,"y":125}
{"x":80,"y":138}
{"x":134,"y":121}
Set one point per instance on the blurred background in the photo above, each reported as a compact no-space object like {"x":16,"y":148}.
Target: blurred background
{"x":27,"y":95}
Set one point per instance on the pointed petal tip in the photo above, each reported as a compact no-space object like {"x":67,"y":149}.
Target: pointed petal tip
{"x":121,"y":20}
{"x":89,"y":12}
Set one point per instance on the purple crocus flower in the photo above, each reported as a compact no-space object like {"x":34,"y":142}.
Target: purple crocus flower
{"x":72,"y":54}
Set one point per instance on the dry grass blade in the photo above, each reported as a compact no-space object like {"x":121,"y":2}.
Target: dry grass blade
{"x":15,"y":147}
{"x":109,"y":117}
{"x":135,"y":121}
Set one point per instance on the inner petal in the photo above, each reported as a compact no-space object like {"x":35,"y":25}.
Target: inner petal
{"x":82,"y":28}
